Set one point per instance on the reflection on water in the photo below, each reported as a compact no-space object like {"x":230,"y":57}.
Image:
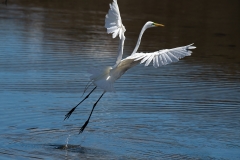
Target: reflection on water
{"x":186,"y":110}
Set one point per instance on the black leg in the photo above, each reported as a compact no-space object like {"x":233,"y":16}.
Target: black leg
{"x":86,"y":123}
{"x":88,"y":85}
{"x":71,"y":111}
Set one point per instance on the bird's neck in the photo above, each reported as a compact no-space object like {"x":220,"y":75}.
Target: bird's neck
{"x":139,"y":39}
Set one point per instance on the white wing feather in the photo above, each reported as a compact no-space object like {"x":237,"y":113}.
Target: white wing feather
{"x":113,"y":21}
{"x":163,"y":57}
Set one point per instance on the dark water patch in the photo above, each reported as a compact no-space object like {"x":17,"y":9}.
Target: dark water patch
{"x":220,"y":34}
{"x":231,"y":45}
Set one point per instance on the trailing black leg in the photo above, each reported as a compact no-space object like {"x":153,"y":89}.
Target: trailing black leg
{"x":88,"y":85}
{"x":71,"y":111}
{"x":86,"y":123}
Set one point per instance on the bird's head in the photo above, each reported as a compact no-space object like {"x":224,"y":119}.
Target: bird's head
{"x":150,"y":24}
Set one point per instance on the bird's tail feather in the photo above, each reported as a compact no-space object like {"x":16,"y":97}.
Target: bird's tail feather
{"x":100,"y":77}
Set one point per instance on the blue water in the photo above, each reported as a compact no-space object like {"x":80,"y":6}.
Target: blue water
{"x":185,"y":110}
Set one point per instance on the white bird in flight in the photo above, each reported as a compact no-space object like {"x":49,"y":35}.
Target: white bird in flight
{"x":105,"y":78}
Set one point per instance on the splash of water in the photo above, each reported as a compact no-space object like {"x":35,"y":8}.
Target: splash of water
{"x":67,"y":140}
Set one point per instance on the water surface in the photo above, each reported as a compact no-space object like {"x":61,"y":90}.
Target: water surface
{"x":185,"y":110}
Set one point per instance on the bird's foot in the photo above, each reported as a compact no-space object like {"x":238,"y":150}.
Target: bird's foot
{"x":69,"y":113}
{"x":84,"y":126}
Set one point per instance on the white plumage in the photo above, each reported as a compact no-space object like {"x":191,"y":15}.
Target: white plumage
{"x":113,"y":21}
{"x":163,"y":57}
{"x":105,"y":78}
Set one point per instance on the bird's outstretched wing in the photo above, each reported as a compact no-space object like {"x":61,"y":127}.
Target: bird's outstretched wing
{"x":113,"y":21}
{"x":163,"y":57}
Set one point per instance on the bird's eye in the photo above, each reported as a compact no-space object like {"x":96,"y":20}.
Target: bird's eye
{"x":153,"y":24}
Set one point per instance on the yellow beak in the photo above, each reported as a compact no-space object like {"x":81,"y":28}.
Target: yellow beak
{"x":158,"y":25}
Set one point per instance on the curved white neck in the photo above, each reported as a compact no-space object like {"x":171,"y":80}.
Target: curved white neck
{"x":139,"y":39}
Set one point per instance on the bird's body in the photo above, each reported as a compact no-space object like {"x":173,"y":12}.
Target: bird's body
{"x":104,"y":78}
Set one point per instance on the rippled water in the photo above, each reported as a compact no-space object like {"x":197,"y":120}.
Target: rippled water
{"x":186,"y":110}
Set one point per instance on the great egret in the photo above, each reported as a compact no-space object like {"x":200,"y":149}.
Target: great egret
{"x":105,"y":78}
